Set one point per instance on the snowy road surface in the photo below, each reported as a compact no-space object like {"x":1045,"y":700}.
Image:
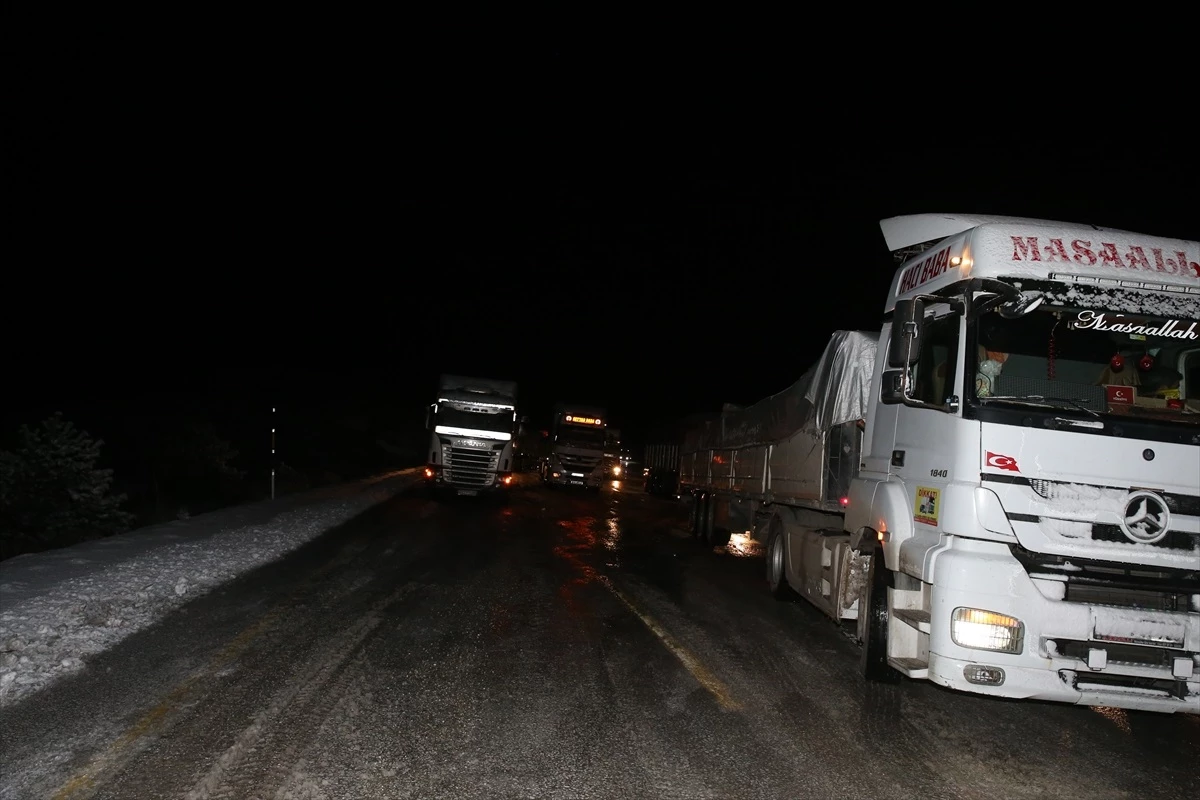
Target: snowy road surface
{"x":565,"y":646}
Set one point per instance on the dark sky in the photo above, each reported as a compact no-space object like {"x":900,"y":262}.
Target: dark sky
{"x":332,"y":239}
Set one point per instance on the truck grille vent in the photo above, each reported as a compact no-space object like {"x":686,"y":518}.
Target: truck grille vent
{"x":471,"y":467}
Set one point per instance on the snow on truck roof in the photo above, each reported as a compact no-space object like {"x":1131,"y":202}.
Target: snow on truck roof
{"x":912,"y":229}
{"x":965,"y":246}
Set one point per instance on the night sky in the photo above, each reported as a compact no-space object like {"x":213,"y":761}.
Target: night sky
{"x":229,"y":242}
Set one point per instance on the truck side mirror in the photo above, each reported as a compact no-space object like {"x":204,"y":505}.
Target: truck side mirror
{"x":908,"y":319}
{"x":428,"y":413}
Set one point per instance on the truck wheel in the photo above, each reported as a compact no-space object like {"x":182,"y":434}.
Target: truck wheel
{"x":873,"y":619}
{"x":777,"y":563}
{"x":707,"y":512}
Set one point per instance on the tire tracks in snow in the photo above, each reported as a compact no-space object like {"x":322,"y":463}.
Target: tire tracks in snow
{"x":298,"y":708}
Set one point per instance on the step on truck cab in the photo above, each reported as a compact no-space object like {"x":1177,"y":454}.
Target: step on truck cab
{"x":1000,"y":490}
{"x":472,"y":423}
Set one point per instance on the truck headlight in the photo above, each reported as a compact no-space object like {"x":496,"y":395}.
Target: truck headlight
{"x":616,"y":470}
{"x":986,"y":630}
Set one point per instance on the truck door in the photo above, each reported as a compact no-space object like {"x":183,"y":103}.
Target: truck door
{"x":926,"y":438}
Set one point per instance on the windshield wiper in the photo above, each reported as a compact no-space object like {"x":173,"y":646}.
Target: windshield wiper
{"x":1043,"y":401}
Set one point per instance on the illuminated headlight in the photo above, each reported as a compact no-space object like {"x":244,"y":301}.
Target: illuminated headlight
{"x":616,"y":470}
{"x":986,"y":630}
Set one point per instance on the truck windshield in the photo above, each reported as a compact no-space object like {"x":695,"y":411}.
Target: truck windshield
{"x":499,"y":421}
{"x":1090,"y":359}
{"x":580,"y":436}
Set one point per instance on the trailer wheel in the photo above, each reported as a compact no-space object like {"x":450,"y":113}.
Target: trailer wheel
{"x":694,"y":514}
{"x":719,"y":537}
{"x":707,"y":513}
{"x":777,"y":563}
{"x":873,"y":619}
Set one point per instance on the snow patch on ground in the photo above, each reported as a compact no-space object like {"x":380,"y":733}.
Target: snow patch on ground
{"x":52,"y":619}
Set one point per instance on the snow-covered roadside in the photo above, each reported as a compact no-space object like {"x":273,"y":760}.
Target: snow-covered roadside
{"x":59,"y":607}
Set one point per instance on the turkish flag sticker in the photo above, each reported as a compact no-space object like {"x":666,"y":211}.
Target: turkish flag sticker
{"x":1121,"y":395}
{"x":1002,"y":462}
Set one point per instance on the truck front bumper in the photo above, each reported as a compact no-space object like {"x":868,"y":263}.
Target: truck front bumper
{"x":558,"y":478}
{"x":595,"y":478}
{"x":471,"y":484}
{"x":1072,"y":652}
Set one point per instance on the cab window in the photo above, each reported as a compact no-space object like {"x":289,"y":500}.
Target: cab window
{"x":936,"y":369}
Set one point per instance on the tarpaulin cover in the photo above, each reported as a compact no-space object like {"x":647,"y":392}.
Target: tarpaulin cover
{"x":835,"y":390}
{"x":466,"y":386}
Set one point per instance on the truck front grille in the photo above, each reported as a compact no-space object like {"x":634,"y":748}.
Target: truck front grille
{"x":584,"y":464}
{"x":1174,"y":540}
{"x":1114,"y":584}
{"x":469,"y":467}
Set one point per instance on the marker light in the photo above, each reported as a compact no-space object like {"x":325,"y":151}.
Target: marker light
{"x":845,"y":501}
{"x":986,"y":630}
{"x":983,"y":675}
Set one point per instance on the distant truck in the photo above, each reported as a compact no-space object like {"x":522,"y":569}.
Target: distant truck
{"x":577,"y":448}
{"x":472,"y":424}
{"x":999,"y":491}
{"x":660,"y":457}
{"x":660,"y":469}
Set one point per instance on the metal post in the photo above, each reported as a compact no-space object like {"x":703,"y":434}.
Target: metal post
{"x":272,"y":452}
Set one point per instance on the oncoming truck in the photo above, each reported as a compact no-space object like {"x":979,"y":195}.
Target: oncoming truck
{"x":577,"y":448}
{"x":472,"y":423}
{"x":999,"y":491}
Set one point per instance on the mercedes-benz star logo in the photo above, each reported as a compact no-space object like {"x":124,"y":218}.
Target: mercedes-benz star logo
{"x":1146,"y":518}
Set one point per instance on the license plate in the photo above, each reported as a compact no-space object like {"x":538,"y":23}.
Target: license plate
{"x":467,"y":492}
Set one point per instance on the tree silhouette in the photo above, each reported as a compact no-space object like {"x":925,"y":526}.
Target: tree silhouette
{"x":51,"y":492}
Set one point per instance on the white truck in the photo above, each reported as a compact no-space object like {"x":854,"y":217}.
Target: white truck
{"x":472,"y":423}
{"x":1000,"y":491}
{"x":577,"y":448}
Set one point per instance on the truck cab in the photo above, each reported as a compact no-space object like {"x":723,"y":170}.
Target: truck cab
{"x":577,"y":449}
{"x":472,"y":426}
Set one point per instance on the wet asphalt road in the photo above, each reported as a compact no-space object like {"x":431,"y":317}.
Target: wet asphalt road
{"x":563,"y":645}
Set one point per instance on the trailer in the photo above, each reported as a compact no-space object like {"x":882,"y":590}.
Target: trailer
{"x":660,"y":469}
{"x":999,"y":491}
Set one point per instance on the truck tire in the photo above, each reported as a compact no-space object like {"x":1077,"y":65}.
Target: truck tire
{"x":694,"y":514}
{"x":777,"y":563}
{"x":707,"y":512}
{"x":714,"y":535}
{"x":873,"y":620}
{"x":719,"y":537}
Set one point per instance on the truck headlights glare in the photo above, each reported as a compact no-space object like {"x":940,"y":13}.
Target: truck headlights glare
{"x":616,"y":470}
{"x":986,"y":630}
